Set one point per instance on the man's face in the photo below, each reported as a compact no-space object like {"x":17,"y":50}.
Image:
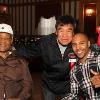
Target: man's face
{"x":64,"y":34}
{"x":80,"y":45}
{"x":5,"y":42}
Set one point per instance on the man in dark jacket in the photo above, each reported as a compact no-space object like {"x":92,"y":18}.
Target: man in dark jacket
{"x":56,"y":52}
{"x":15,"y":79}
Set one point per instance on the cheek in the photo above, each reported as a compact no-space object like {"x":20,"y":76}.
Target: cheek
{"x":70,"y":35}
{"x":69,"y":38}
{"x":85,"y":47}
{"x":59,"y":36}
{"x":74,"y":49}
{"x":8,"y":44}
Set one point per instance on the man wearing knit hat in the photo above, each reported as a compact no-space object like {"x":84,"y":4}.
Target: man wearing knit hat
{"x":15,"y":78}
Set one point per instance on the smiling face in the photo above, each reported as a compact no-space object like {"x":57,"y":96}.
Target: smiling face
{"x":5,"y":42}
{"x":64,"y":34}
{"x":80,"y":45}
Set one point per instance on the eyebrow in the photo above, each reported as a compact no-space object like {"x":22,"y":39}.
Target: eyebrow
{"x":80,"y":41}
{"x":70,"y":28}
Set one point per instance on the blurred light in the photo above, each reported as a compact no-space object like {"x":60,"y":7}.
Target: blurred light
{"x":4,"y":9}
{"x":89,"y":12}
{"x":98,"y":31}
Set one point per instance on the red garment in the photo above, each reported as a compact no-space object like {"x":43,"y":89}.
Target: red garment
{"x":98,"y":42}
{"x":98,"y":31}
{"x":72,"y":64}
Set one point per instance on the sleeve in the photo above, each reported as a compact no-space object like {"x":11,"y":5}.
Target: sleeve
{"x":29,"y":50}
{"x":27,"y":82}
{"x":74,"y":88}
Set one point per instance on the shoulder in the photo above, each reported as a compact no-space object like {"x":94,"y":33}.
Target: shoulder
{"x":19,"y":57}
{"x":95,"y":48}
{"x":95,"y":53}
{"x":49,"y":37}
{"x":48,"y":40}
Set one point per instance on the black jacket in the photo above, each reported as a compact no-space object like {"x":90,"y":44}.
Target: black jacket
{"x":55,"y":68}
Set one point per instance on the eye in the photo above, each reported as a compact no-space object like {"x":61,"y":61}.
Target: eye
{"x":82,"y":43}
{"x":73,"y":44}
{"x":60,"y":31}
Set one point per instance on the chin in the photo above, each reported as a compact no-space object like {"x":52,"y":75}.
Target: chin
{"x":79,"y":56}
{"x":65,"y":44}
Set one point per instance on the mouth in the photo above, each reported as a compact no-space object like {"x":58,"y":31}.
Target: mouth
{"x":79,"y":52}
{"x":2,"y":45}
{"x":63,"y":39}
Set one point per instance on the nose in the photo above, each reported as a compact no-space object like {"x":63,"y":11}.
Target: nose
{"x":65,"y":35}
{"x":77,"y":46}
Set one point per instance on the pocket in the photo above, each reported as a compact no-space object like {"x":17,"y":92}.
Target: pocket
{"x":13,"y":89}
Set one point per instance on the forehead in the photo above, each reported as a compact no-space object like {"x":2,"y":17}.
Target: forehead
{"x":3,"y":34}
{"x":79,"y":37}
{"x":65,"y":26}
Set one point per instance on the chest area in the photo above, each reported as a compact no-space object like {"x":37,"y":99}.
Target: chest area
{"x":10,"y":69}
{"x":83,"y":73}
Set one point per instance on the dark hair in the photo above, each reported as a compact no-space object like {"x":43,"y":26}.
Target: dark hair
{"x":66,"y":19}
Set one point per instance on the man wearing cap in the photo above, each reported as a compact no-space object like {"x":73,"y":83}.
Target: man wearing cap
{"x":15,"y":78}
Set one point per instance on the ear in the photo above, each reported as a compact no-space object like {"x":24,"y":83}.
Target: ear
{"x":89,"y":43}
{"x":11,"y":39}
{"x":56,"y":32}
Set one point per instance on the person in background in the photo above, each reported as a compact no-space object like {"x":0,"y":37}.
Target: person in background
{"x":94,"y":44}
{"x":85,"y":76}
{"x":15,"y":79}
{"x":56,"y":51}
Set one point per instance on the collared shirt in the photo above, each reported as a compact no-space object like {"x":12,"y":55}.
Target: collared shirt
{"x":80,"y":79}
{"x":62,"y":48}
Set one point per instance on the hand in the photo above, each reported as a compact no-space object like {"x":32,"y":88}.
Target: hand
{"x":95,"y":79}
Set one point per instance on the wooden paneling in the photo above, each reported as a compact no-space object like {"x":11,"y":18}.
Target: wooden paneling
{"x":25,"y":14}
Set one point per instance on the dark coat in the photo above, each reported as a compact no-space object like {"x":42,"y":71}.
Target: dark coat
{"x":55,"y":68}
{"x":15,"y":79}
